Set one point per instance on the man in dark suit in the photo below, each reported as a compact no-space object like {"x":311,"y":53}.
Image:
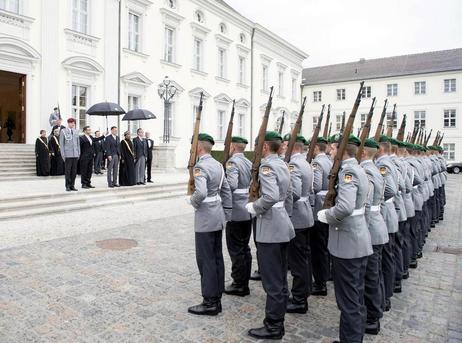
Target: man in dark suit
{"x":112,"y":149}
{"x":99,"y":152}
{"x":87,"y":154}
{"x":149,"y":159}
{"x":141,"y":154}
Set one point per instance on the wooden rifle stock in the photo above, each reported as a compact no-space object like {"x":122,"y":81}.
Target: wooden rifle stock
{"x":343,"y":123}
{"x":281,"y":127}
{"x":330,"y":130}
{"x":427,"y":139}
{"x":254,"y":184}
{"x":402,"y":128}
{"x":390,"y":125}
{"x":366,"y":130}
{"x":326,"y":125}
{"x":295,"y":131}
{"x":441,"y":140}
{"x":435,"y":141}
{"x":194,"y":143}
{"x":382,"y":118}
{"x":228,"y":138}
{"x":331,"y":193}
{"x":314,"y":138}
{"x":415,"y":132}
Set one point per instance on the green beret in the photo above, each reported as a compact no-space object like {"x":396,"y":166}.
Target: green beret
{"x":299,"y":139}
{"x":370,"y":143}
{"x":384,"y":138}
{"x":439,"y":148}
{"x":393,"y":141}
{"x":322,"y":140}
{"x":401,"y":144}
{"x":286,"y":137}
{"x":272,"y":136}
{"x":334,"y":138}
{"x":354,"y":140}
{"x":237,"y":139}
{"x":204,"y":137}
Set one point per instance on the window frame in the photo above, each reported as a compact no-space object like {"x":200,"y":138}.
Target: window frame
{"x":77,"y":13}
{"x":198,"y":52}
{"x":392,"y":89}
{"x":222,"y":63}
{"x":317,"y":96}
{"x":169,"y":48}
{"x":341,"y":94}
{"x":221,"y":123}
{"x":265,"y":75}
{"x":241,"y":124}
{"x":420,"y":87}
{"x":77,"y":108}
{"x":134,"y":36}
{"x":13,"y":6}
{"x":242,"y":69}
{"x":451,"y":85}
{"x":133,"y":126}
{"x":366,"y":92}
{"x":448,"y":152}
{"x":450,"y":118}
{"x":338,"y":122}
{"x":419,"y":118}
{"x":281,"y":83}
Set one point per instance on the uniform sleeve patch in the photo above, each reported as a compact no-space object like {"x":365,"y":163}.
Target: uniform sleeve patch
{"x":291,"y":168}
{"x":383,"y":170}
{"x":265,"y":170}
{"x":197,"y":172}
{"x":315,"y":166}
{"x":348,"y":178}
{"x":230,"y":165}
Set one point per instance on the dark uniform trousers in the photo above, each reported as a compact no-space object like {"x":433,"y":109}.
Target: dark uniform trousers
{"x":70,"y":170}
{"x":272,"y":259}
{"x":98,"y":161}
{"x":436,"y":205}
{"x":237,"y":241}
{"x":86,"y":169}
{"x":373,"y":286}
{"x":300,"y":265}
{"x":209,"y":257}
{"x":443,"y":201}
{"x":388,"y":266}
{"x":398,"y":252}
{"x":319,"y":253}
{"x":406,"y":235}
{"x":416,"y":223}
{"x":349,"y":282}
{"x":423,"y":226}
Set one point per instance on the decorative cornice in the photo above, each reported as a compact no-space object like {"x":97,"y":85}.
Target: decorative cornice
{"x":223,"y":39}
{"x":83,"y":64}
{"x":142,"y":3}
{"x":200,"y":29}
{"x":243,"y":49}
{"x":136,"y":78}
{"x":196,"y":93}
{"x":15,"y":19}
{"x":81,"y":38}
{"x":266,"y":58}
{"x":171,"y":16}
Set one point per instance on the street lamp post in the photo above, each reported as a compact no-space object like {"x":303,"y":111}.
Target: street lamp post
{"x":166,"y":92}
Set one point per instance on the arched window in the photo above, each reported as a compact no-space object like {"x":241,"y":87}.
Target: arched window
{"x":223,"y":28}
{"x":199,"y":16}
{"x":242,"y":38}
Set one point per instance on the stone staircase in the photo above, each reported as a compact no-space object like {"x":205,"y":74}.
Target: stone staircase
{"x":17,"y":162}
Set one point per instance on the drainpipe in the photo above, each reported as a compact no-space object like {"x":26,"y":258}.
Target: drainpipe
{"x":119,"y":58}
{"x":251,"y":86}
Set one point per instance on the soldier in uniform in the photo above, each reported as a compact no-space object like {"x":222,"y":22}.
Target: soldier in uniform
{"x":374,"y":287}
{"x":349,"y":243}
{"x":301,"y":177}
{"x":239,"y":229}
{"x":70,"y":151}
{"x":212,"y":202}
{"x":319,"y":235}
{"x":274,"y":231}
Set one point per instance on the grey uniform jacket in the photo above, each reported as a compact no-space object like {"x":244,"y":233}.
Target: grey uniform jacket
{"x":69,"y":141}
{"x":443,"y":174}
{"x":436,"y":169}
{"x":273,"y":222}
{"x":349,"y":236}
{"x":416,"y":178}
{"x":238,"y":173}
{"x":428,"y":172}
{"x":212,"y":197}
{"x":399,"y":201}
{"x":375,"y":222}
{"x":301,"y":177}
{"x":389,"y":214}
{"x":407,"y":195}
{"x":322,"y":165}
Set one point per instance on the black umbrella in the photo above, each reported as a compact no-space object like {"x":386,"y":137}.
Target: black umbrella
{"x":105,"y":109}
{"x":139,"y":114}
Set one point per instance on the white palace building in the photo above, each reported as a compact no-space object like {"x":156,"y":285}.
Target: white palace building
{"x":66,"y":52}
{"x":427,"y":87}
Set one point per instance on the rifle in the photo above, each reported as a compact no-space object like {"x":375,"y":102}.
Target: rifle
{"x":366,"y":130}
{"x":314,"y":138}
{"x":326,"y":125}
{"x":229,"y":134}
{"x":59,"y":112}
{"x":400,"y":135}
{"x":435,"y":142}
{"x":427,"y":139}
{"x":282,"y":122}
{"x":419,"y":137}
{"x":407,"y":137}
{"x":331,"y":193}
{"x":343,"y":123}
{"x":255,"y":185}
{"x":415,"y":132}
{"x":194,"y":143}
{"x":382,"y":118}
{"x":330,"y":130}
{"x":441,"y":140}
{"x":390,"y":127}
{"x":295,"y":131}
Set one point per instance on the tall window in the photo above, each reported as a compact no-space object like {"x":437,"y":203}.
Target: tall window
{"x":241,"y":125}
{"x":419,"y":118}
{"x":294,"y":89}
{"x":264,"y":73}
{"x":79,"y":104}
{"x":449,"y":151}
{"x":198,"y":54}
{"x":338,"y":122}
{"x":133,"y":103}
{"x":10,"y":5}
{"x":242,"y":69}
{"x":317,"y":96}
{"x":169,"y":48}
{"x":392,"y":89}
{"x":281,"y":83}
{"x":221,"y":125}
{"x":363,"y":120}
{"x":450,"y":118}
{"x":395,"y":120}
{"x":80,"y":15}
{"x":341,"y":94}
{"x":420,"y":87}
{"x":449,"y":85}
{"x":222,"y":63}
{"x":366,"y":93}
{"x":133,"y":32}
{"x":315,"y":121}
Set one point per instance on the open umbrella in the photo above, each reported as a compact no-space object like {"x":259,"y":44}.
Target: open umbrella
{"x":105,"y":109}
{"x":139,"y":114}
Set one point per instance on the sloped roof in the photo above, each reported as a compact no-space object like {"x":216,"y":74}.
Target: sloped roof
{"x":428,"y":62}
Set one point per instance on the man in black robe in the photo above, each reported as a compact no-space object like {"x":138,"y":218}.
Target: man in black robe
{"x":127,"y":175}
{"x":57,"y":162}
{"x":99,"y":153}
{"x":87,"y":154}
{"x":42,"y":155}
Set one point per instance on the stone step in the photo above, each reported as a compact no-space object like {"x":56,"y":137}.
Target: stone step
{"x":11,"y":169}
{"x":16,"y":173}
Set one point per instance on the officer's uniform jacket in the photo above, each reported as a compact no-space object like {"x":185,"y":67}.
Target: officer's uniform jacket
{"x":349,"y":236}
{"x":69,"y":141}
{"x":424,"y":185}
{"x":399,"y":201}
{"x":407,"y":194}
{"x":443,"y":174}
{"x":322,"y":165}
{"x":375,"y":222}
{"x":436,"y":169}
{"x":428,"y":172}
{"x":212,"y":198}
{"x":388,"y":210}
{"x":238,"y":174}
{"x":301,"y":177}
{"x":273,"y":222}
{"x":417,"y":182}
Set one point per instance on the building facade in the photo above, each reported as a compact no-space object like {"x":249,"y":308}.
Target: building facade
{"x":426,"y":87}
{"x":66,"y":53}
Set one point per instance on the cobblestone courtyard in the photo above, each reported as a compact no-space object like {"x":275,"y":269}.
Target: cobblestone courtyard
{"x":72,"y":290}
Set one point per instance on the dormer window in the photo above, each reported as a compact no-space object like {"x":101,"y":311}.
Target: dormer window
{"x":242,"y":38}
{"x":223,"y":29}
{"x":199,"y":17}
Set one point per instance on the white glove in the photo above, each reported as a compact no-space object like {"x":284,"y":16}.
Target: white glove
{"x":188,"y":200}
{"x":322,"y":216}
{"x":251,"y":209}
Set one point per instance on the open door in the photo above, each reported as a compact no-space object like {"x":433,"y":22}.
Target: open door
{"x":22,"y":108}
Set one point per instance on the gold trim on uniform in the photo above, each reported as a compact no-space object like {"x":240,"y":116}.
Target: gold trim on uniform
{"x":348,"y":178}
{"x":229,"y":165}
{"x":197,"y":172}
{"x":291,"y":168}
{"x":265,"y":170}
{"x":314,"y":166}
{"x":383,"y":170}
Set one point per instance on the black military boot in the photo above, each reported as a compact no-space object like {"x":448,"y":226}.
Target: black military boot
{"x":255,"y":276}
{"x":406,"y":275}
{"x":270,"y":330}
{"x":207,"y":308}
{"x":397,"y":288}
{"x":419,"y":254}
{"x":319,"y":290}
{"x":413,"y":264}
{"x":240,"y":291}
{"x":387,"y":305}
{"x":373,"y":326}
{"x":297,"y":306}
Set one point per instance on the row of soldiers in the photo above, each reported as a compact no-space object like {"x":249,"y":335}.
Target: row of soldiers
{"x":388,"y":200}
